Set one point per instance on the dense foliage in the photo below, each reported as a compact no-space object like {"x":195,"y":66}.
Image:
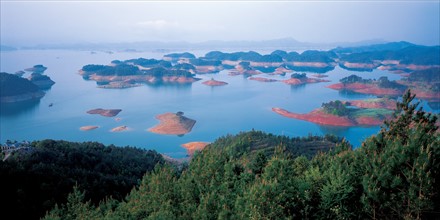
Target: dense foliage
{"x":33,"y":181}
{"x":335,"y":108}
{"x":298,"y":76}
{"x":384,"y":82}
{"x":11,"y":85}
{"x":427,"y":76}
{"x":354,"y":79}
{"x":394,"y":175}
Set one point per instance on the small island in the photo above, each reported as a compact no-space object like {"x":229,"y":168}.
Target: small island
{"x":88,"y":128}
{"x":262,"y":79}
{"x":173,"y":123}
{"x":36,"y":69}
{"x":42,"y":81}
{"x":17,"y":89}
{"x":192,"y":147}
{"x":120,"y":128}
{"x":301,"y":78}
{"x":337,"y":113}
{"x":105,"y":112}
{"x":213,"y":82}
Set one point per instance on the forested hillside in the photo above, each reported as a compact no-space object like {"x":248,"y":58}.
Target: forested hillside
{"x":36,"y":178}
{"x":393,"y":175}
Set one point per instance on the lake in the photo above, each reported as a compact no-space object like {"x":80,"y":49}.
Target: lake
{"x":242,"y":105}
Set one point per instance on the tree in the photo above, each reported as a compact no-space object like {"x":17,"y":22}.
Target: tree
{"x":401,"y":164}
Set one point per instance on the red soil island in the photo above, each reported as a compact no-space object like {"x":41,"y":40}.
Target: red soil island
{"x":262,"y":79}
{"x":173,"y":123}
{"x":320,"y":75}
{"x":105,"y":112}
{"x":213,"y":82}
{"x":363,"y":88}
{"x":120,"y":128}
{"x":319,"y":116}
{"x":192,"y":147}
{"x":88,"y":128}
{"x":295,"y":81}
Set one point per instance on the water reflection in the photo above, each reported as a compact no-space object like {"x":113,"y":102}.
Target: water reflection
{"x":18,"y":108}
{"x":297,"y":88}
{"x":334,"y":130}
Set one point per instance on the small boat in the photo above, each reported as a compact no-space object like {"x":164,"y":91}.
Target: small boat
{"x":51,"y":104}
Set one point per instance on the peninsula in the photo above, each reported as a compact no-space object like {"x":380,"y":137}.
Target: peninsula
{"x":337,"y":113}
{"x":173,"y":123}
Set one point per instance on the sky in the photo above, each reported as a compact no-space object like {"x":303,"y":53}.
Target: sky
{"x":27,"y":23}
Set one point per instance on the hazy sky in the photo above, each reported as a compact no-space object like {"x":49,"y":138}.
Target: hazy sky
{"x":31,"y":23}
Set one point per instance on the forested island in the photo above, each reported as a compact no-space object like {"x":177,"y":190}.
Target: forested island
{"x":337,"y":113}
{"x":393,"y":175}
{"x":129,"y":73}
{"x":424,"y":83}
{"x":16,"y":89}
{"x":399,"y":57}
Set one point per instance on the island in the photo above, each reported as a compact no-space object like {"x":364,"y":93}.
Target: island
{"x":88,"y":128}
{"x":42,"y":81}
{"x":394,"y":56}
{"x":130,"y":73}
{"x":36,"y":69}
{"x":17,"y":89}
{"x":173,"y":123}
{"x":301,"y":78}
{"x":262,"y":79}
{"x":424,"y":83}
{"x":120,"y":128}
{"x":105,"y":112}
{"x":213,"y":82}
{"x":380,"y":87}
{"x":377,"y":103}
{"x":192,"y":147}
{"x":337,"y":113}
{"x":398,"y":57}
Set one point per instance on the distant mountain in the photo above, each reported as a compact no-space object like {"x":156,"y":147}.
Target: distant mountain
{"x":392,"y":46}
{"x":289,"y":44}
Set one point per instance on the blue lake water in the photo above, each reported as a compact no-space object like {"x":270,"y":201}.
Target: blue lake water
{"x":241,"y":105}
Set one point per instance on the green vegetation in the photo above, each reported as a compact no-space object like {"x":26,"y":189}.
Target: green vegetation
{"x":34,"y":180}
{"x":354,"y":79}
{"x":298,"y":76}
{"x":336,"y":108}
{"x":11,"y":85}
{"x":419,"y":55}
{"x":373,"y":113}
{"x":394,"y":175}
{"x":383,"y":82}
{"x":430,"y":75}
